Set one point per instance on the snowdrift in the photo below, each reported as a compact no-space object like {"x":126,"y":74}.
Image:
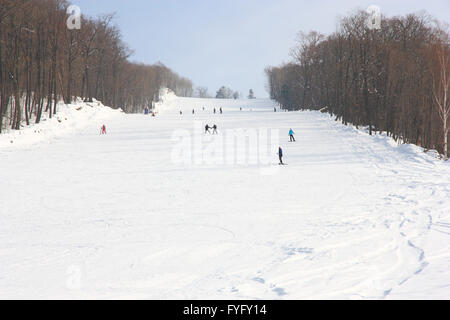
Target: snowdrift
{"x":69,"y":119}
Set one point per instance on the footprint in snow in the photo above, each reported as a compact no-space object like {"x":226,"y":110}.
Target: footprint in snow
{"x":279,"y":291}
{"x":260,"y":280}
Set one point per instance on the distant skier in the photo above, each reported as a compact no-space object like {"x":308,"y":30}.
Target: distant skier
{"x":103,"y":129}
{"x":215,"y":130}
{"x":181,"y":112}
{"x":274,"y":109}
{"x":214,"y":110}
{"x":221,"y":111}
{"x":291,"y":135}
{"x":146,"y":110}
{"x":207,"y":127}
{"x":193,"y":111}
{"x":280,"y":155}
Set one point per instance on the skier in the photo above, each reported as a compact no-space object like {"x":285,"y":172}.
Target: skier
{"x":103,"y":129}
{"x":291,"y":135}
{"x":215,"y":130}
{"x":274,"y":109}
{"x":207,"y":127}
{"x":181,"y":112}
{"x":220,"y":110}
{"x":146,"y":110}
{"x":214,"y":110}
{"x":193,"y":111}
{"x":280,"y":155}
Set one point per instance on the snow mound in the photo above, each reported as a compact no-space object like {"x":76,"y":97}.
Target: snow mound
{"x":69,"y":119}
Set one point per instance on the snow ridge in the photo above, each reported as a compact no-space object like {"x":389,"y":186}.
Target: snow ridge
{"x":69,"y":119}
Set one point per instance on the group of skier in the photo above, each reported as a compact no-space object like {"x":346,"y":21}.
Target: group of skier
{"x":280,"y":150}
{"x":148,"y":111}
{"x":215,"y":111}
{"x":214,"y":127}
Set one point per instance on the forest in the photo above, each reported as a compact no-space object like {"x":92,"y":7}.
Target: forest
{"x":43,"y":60}
{"x":392,"y":79}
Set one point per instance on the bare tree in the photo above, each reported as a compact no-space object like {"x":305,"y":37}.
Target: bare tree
{"x":42,"y":62}
{"x":394,"y":79}
{"x":441,"y":85}
{"x":202,"y":92}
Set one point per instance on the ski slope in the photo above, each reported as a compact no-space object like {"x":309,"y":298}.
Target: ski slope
{"x":351,"y":216}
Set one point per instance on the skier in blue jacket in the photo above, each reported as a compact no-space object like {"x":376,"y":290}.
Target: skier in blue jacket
{"x":291,"y":134}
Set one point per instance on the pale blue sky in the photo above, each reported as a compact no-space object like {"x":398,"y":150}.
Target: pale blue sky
{"x":230,"y":42}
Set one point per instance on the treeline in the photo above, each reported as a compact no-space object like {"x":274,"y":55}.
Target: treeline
{"x":394,"y":78}
{"x":42,"y":61}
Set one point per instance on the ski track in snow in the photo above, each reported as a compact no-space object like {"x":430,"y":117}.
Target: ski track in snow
{"x":353,"y":216}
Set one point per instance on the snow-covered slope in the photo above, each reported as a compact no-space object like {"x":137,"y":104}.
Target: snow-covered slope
{"x":171,"y":104}
{"x":351,"y":216}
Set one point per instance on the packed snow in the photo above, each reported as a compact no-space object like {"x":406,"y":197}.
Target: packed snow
{"x":128,"y":215}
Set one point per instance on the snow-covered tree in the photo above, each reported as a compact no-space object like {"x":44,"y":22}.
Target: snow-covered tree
{"x":224,"y":93}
